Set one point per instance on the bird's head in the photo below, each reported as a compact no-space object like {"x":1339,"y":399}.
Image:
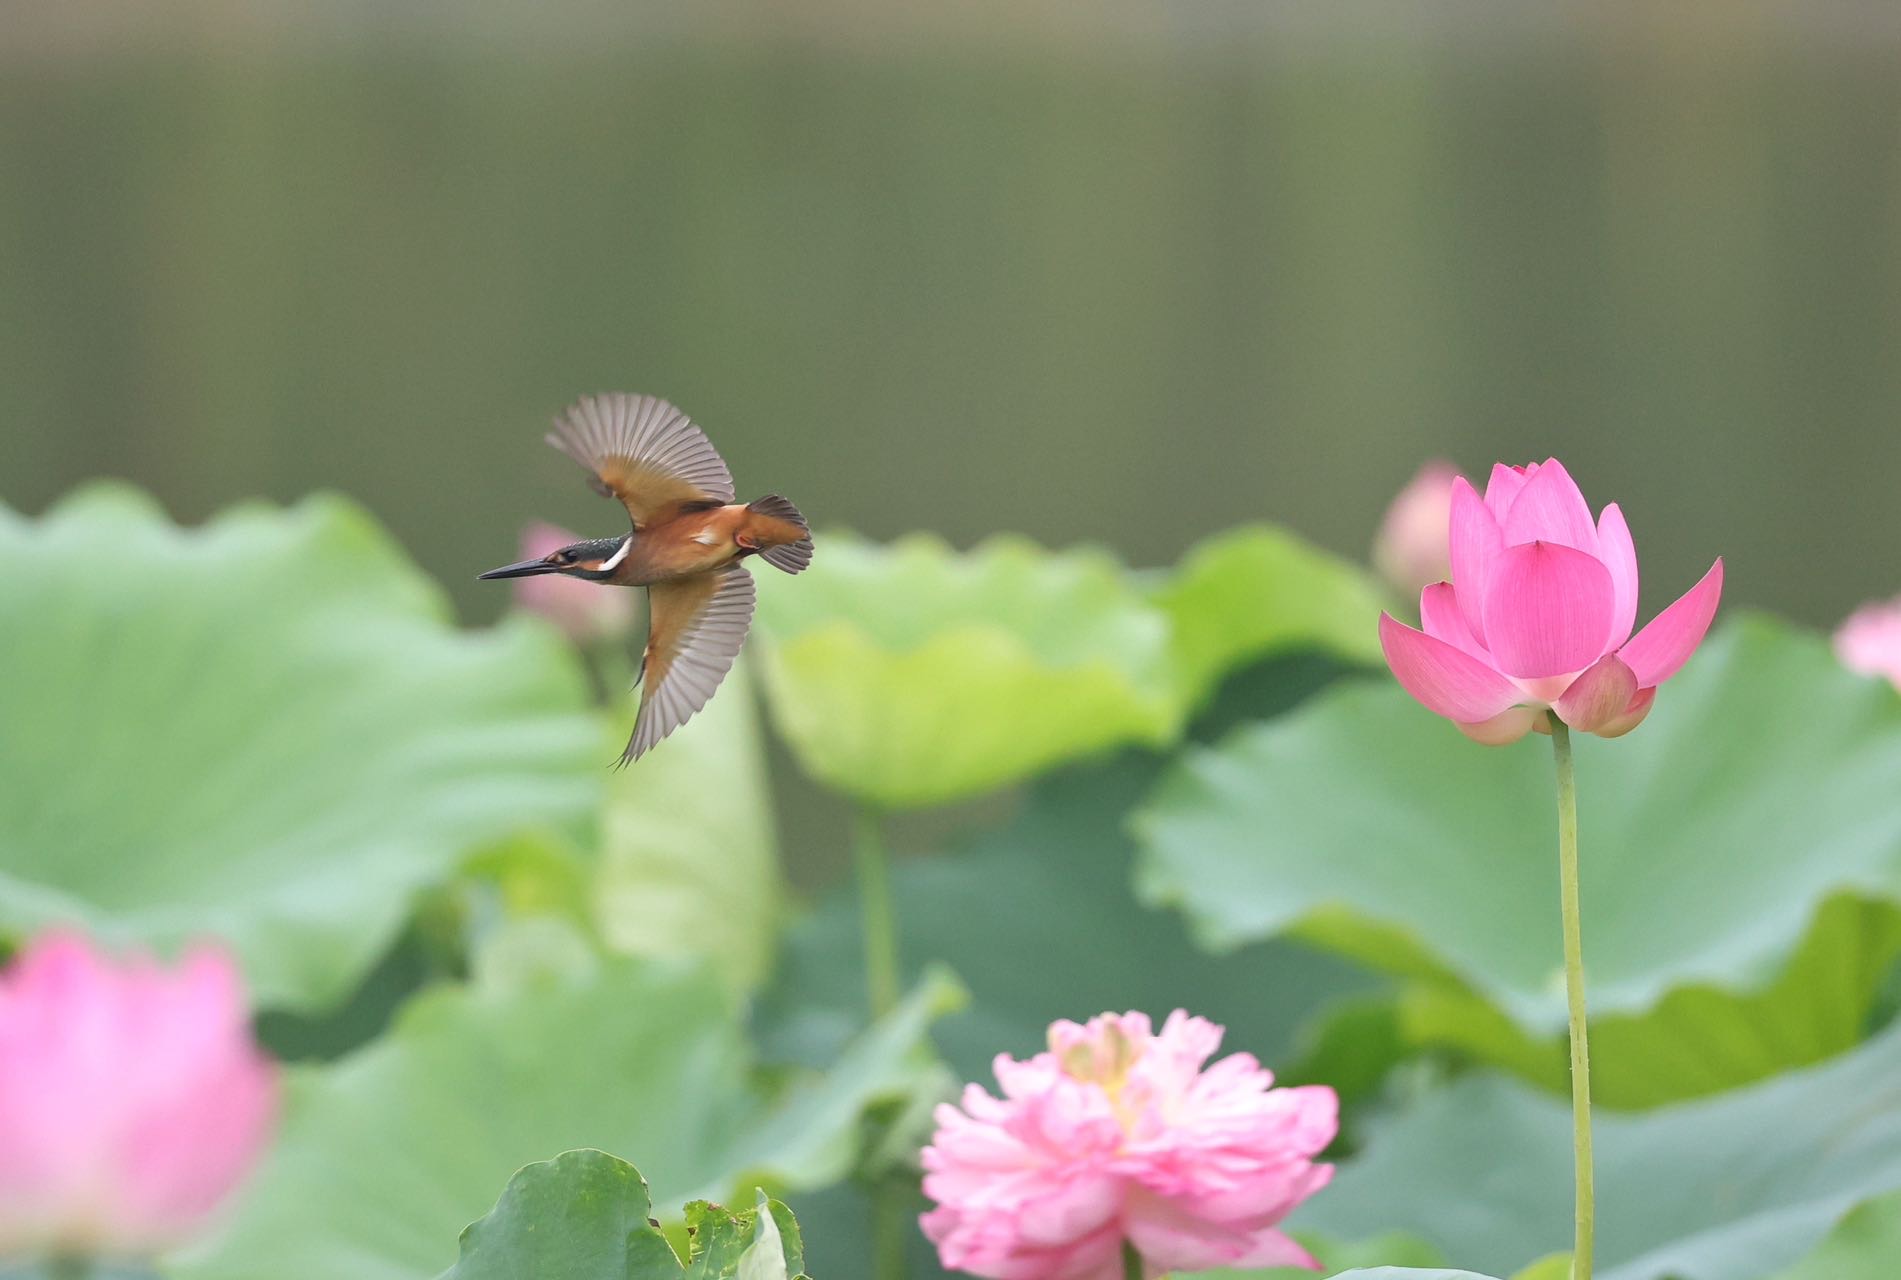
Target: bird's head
{"x":595,"y":560}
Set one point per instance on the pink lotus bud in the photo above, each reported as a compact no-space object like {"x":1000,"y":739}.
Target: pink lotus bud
{"x":1118,"y":1134}
{"x":1537,"y":617}
{"x":1870,"y":641}
{"x":1411,"y":550}
{"x":132,"y":1099}
{"x":586,"y":611}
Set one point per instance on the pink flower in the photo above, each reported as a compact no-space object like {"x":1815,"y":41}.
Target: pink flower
{"x":585,"y":610}
{"x":132,"y":1099}
{"x":1411,"y":549}
{"x":1870,"y":641}
{"x":1538,"y":615}
{"x":1118,"y":1134}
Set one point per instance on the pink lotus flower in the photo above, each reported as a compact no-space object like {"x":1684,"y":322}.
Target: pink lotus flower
{"x":1870,"y":641}
{"x":1412,"y":550}
{"x":1118,"y":1134}
{"x":1538,"y":615}
{"x":586,"y":611}
{"x":132,"y":1099}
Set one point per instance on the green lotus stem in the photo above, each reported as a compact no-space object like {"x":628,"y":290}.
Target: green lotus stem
{"x":1131,"y":1262}
{"x":888,"y":1226}
{"x":609,"y":668}
{"x":67,"y":1267}
{"x":889,"y":1192}
{"x":1574,"y":998}
{"x":880,"y":922}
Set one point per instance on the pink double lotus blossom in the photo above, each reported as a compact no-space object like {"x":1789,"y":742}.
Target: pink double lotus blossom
{"x":1118,"y":1134}
{"x":1870,"y":641}
{"x":586,"y":611}
{"x":1538,"y":615}
{"x":132,"y":1099}
{"x":1411,"y":550}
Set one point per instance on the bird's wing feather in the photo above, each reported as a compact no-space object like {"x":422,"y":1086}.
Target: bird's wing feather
{"x":696,"y":627}
{"x":643,"y":451}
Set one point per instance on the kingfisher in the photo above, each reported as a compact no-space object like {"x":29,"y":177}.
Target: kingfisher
{"x":687,"y":545}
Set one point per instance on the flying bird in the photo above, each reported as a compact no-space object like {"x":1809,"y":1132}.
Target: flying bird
{"x":688,"y":540}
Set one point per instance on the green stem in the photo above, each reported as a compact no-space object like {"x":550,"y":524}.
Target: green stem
{"x":891,"y":1192}
{"x":67,"y":1267}
{"x":1131,"y":1262}
{"x":610,"y":670}
{"x":888,"y":1197}
{"x":1574,"y":997}
{"x":874,"y":899}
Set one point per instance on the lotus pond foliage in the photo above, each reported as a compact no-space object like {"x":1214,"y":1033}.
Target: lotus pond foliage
{"x":351,"y":887}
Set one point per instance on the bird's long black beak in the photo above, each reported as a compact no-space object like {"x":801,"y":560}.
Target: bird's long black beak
{"x":525,"y":569}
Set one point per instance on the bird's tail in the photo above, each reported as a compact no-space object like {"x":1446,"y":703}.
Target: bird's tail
{"x":784,"y":537}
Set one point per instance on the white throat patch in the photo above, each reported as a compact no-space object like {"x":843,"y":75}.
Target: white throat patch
{"x":626,"y":545}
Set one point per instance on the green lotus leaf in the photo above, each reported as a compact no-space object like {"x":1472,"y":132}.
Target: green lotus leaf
{"x":1392,"y":1253}
{"x":681,"y":863}
{"x":584,"y":1216}
{"x":1554,"y":1268}
{"x":579,"y":1216}
{"x":1864,"y":1245}
{"x":1734,"y":1187}
{"x":1256,"y":591}
{"x":987,"y":909}
{"x":910,"y":674}
{"x":471,"y":1083}
{"x":1408,"y":1273}
{"x":760,"y":1244}
{"x":1759,"y":792}
{"x":523,"y":954}
{"x":534,"y":874}
{"x":689,"y":862}
{"x":1698,"y":1039}
{"x":265,"y":729}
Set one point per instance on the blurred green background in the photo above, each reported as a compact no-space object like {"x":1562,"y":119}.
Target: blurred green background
{"x":1123,"y":272}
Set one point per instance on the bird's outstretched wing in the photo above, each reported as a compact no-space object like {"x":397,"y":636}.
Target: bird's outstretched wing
{"x":644,"y":452}
{"x":695,"y":628}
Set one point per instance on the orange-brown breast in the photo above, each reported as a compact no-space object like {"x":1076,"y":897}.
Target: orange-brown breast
{"x":691,"y":542}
